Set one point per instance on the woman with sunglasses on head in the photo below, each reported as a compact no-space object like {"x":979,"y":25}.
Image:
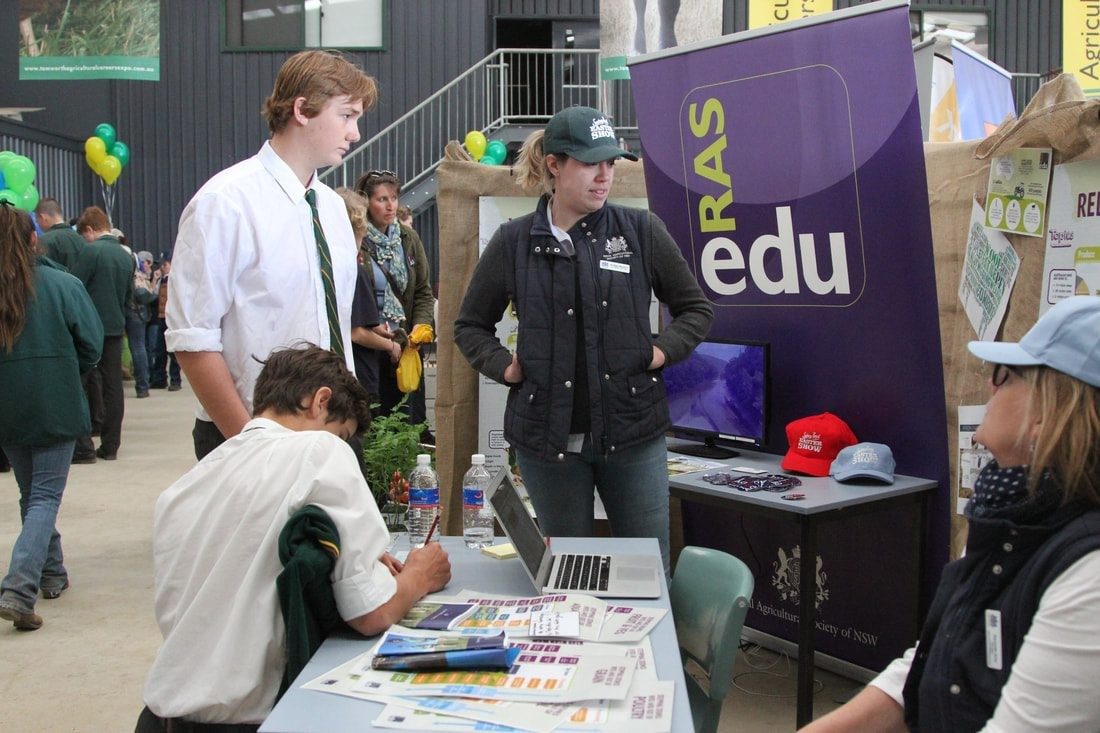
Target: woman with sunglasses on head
{"x":1012,"y":639}
{"x":586,"y":409}
{"x":401,"y":283}
{"x":49,"y":334}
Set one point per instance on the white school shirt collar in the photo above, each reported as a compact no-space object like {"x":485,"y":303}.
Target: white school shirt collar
{"x":283,"y":175}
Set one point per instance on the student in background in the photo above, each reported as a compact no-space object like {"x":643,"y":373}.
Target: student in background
{"x":49,"y":334}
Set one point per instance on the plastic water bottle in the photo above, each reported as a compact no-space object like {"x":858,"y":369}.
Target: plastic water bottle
{"x":477,"y":516}
{"x":423,"y":501}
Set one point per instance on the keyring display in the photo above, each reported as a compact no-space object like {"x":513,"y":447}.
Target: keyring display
{"x":774,"y":482}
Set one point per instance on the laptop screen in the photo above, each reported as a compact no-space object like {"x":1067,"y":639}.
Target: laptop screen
{"x":513,"y":516}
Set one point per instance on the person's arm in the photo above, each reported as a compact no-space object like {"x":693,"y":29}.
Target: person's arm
{"x":371,"y":339}
{"x":426,"y":570}
{"x":871,"y":711}
{"x":1052,"y":684}
{"x":213,"y":241}
{"x":483,"y":305}
{"x":212,"y":383}
{"x":676,"y":287}
{"x":423,"y":302}
{"x":84,"y":326}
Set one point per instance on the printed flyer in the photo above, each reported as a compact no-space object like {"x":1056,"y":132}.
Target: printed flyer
{"x":1018,"y":186}
{"x":989,"y":270}
{"x":1072,"y":262}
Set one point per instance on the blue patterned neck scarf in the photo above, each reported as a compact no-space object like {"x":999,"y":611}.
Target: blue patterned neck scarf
{"x":390,"y":256}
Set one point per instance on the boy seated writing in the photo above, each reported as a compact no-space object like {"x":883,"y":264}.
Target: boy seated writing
{"x":215,"y":547}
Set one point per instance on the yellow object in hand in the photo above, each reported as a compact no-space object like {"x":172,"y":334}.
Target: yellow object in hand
{"x":422,"y":333}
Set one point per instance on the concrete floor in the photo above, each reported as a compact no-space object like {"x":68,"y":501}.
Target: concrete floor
{"x":84,"y":669}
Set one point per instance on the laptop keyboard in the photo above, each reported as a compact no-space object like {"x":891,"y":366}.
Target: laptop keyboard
{"x":583,"y":572}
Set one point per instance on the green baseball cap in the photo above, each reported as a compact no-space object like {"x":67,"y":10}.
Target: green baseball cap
{"x":585,"y":134}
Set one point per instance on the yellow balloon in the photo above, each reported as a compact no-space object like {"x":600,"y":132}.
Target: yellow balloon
{"x":94,"y":152}
{"x":475,"y":143}
{"x":110,"y":169}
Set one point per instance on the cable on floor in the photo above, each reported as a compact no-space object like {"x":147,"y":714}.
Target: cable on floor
{"x":751,"y":650}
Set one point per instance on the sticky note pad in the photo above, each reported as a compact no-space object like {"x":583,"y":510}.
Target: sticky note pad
{"x":501,"y":552}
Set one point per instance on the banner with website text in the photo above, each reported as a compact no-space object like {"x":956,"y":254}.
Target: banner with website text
{"x":91,"y":39}
{"x":788,"y":165}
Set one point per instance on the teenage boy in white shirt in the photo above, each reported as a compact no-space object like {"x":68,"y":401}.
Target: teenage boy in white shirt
{"x":247,"y":275}
{"x":216,"y":554}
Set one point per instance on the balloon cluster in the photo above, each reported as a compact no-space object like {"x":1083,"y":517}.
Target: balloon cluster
{"x":17,"y":181}
{"x":106,"y":154}
{"x":489,"y":152}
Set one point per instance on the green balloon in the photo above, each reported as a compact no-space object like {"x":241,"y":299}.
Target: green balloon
{"x":18,"y":173}
{"x":30,"y":198}
{"x":496,"y":151}
{"x":105,"y":131}
{"x":11,"y":197}
{"x":121,"y":151}
{"x":5,"y":156}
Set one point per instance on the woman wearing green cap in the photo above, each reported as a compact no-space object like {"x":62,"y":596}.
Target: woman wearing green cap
{"x":1012,"y":640}
{"x":586,"y":409}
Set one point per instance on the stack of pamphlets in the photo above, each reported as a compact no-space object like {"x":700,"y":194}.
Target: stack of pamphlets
{"x":401,"y":651}
{"x":557,"y":671}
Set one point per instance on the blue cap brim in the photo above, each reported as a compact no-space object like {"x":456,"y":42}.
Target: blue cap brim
{"x":998,"y":352}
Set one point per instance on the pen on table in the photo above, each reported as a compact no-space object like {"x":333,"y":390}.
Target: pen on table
{"x":431,"y":530}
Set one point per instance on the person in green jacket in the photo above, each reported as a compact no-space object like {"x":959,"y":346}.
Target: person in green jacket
{"x":49,"y":335}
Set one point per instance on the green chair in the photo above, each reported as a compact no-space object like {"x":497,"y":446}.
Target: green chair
{"x":710,"y":597}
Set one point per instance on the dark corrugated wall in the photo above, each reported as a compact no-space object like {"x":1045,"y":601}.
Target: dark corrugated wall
{"x":204,"y":114}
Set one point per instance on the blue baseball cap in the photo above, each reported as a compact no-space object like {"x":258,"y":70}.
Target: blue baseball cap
{"x":1066,"y":338}
{"x":864,"y":460}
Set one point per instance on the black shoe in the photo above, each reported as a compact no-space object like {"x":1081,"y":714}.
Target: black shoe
{"x":141,"y":394}
{"x":174,"y":387}
{"x":83,"y":458}
{"x":105,"y":455}
{"x":160,"y":385}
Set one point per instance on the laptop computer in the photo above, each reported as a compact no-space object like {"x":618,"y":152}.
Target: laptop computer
{"x":606,"y":576}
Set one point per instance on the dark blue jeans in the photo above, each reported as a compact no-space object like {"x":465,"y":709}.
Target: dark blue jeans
{"x":36,"y":558}
{"x":633,"y":485}
{"x":135,"y":334}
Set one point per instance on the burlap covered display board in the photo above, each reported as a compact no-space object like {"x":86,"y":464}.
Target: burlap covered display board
{"x":1057,"y":118}
{"x":461,"y":183}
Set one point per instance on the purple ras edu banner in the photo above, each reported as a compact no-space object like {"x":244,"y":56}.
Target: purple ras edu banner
{"x":788,"y":164}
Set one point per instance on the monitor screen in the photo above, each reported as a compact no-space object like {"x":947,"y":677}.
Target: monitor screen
{"x":719,"y":394}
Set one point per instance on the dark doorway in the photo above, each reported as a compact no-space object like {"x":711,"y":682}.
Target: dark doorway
{"x":527,"y":77}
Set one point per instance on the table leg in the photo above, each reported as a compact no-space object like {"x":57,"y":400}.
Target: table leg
{"x":807,"y":614}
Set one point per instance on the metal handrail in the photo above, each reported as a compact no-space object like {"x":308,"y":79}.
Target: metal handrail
{"x":509,"y":86}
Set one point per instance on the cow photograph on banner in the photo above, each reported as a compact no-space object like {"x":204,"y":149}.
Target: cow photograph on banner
{"x":787,"y":162}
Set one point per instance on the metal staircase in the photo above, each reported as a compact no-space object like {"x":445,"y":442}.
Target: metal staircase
{"x":505,"y":95}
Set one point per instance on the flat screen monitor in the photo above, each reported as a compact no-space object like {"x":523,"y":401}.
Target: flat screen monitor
{"x":719,"y":396}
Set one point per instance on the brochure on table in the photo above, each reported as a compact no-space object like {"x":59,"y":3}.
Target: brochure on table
{"x":581,"y":681}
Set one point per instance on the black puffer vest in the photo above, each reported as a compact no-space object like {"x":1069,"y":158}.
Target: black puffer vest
{"x":1007,"y":568}
{"x":627,"y":401}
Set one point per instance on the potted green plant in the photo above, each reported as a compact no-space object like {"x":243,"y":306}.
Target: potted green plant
{"x":389,"y":452}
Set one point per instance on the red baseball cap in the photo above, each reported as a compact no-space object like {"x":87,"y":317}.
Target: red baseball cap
{"x":813,"y":442}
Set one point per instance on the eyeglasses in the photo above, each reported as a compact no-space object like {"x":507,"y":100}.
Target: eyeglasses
{"x":380,"y":174}
{"x":1001,"y":372}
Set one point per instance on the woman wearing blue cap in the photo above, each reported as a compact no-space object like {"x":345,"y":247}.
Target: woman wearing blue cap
{"x":587,"y":407}
{"x":1012,"y":640}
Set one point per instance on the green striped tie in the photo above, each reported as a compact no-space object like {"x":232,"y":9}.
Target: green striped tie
{"x":336,"y":341}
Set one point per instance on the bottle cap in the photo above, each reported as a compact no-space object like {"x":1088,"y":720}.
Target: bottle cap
{"x":478,"y":459}
{"x":423,"y":459}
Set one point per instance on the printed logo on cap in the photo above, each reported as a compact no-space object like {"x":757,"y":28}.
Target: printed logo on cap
{"x":601,"y":128}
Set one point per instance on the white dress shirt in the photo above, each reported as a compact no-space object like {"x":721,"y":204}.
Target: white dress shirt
{"x":216,"y":558}
{"x":1052,"y":685}
{"x":245,"y":273}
